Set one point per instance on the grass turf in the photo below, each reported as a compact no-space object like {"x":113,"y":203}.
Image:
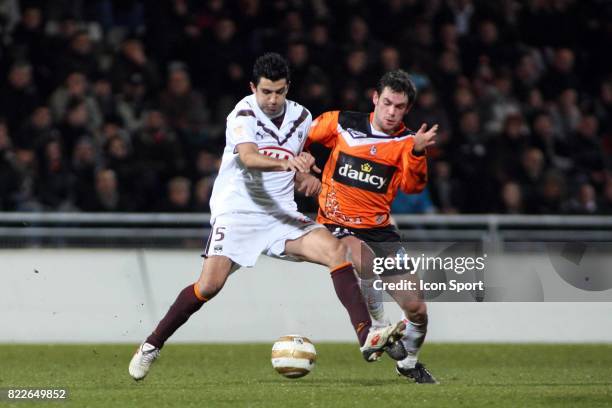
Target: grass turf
{"x":472,"y":375}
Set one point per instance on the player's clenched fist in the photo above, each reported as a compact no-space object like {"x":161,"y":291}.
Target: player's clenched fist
{"x":302,"y":163}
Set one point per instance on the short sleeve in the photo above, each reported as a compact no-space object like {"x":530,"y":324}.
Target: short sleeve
{"x":241,"y":127}
{"x":324,"y":129}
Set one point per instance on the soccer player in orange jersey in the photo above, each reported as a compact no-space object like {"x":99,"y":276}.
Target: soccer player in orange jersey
{"x":372,"y":156}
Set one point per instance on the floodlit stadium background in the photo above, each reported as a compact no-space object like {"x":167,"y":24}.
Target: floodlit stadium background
{"x":118,"y":108}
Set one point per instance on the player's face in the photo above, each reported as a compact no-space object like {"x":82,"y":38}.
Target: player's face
{"x":270,"y":95}
{"x":389,"y":109}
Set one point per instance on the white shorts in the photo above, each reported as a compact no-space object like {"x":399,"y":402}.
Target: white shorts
{"x":243,"y":237}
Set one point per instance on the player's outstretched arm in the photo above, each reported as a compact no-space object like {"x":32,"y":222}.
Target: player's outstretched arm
{"x":253,"y":160}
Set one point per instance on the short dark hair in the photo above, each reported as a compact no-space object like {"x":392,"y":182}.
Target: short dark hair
{"x":271,"y":66}
{"x":398,"y":81}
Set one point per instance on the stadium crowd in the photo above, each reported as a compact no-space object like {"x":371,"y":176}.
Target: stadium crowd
{"x":120,"y":105}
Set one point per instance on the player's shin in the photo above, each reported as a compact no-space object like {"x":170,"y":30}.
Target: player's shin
{"x":347,"y":290}
{"x":187,"y":303}
{"x":413,"y":340}
{"x":374,"y":302}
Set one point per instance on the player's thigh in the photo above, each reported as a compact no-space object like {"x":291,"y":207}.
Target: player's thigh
{"x":318,"y":246}
{"x":215,"y":271}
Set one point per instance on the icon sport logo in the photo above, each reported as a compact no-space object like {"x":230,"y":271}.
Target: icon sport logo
{"x":360,"y":173}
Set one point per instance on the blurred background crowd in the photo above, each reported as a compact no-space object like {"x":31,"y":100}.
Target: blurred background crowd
{"x":120,"y":105}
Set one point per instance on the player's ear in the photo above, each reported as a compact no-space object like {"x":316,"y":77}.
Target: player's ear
{"x":375,"y":97}
{"x":253,"y":87}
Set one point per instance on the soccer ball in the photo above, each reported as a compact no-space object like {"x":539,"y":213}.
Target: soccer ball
{"x":293,"y":356}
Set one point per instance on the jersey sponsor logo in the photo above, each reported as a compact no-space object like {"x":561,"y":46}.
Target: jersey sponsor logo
{"x":363,"y":174}
{"x":276,"y":152}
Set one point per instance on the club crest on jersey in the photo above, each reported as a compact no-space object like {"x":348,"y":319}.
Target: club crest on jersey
{"x":373,"y":151}
{"x":276,"y":152}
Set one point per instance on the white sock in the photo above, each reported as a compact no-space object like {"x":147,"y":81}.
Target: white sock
{"x":413,"y":340}
{"x":373,"y":299}
{"x":409,"y":362}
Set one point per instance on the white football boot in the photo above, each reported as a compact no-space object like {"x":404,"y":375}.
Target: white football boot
{"x":142,"y":360}
{"x":385,"y":339}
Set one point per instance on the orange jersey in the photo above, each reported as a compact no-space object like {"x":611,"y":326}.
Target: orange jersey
{"x":364,"y":170}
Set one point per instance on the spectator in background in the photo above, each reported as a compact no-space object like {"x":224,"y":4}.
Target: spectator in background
{"x":158,"y":148}
{"x":498,"y":103}
{"x":390,"y":60}
{"x":178,"y":196}
{"x":549,"y":142}
{"x":184,"y":108}
{"x":107,"y":197}
{"x":318,"y":93}
{"x":447,"y":76}
{"x":530,"y":177}
{"x":85,"y":163}
{"x":565,"y":113}
{"x":587,"y":152}
{"x":132,"y":60}
{"x":138,"y":184}
{"x":584,"y":201}
{"x":321,"y":49}
{"x":75,"y":125}
{"x":359,"y":37}
{"x":506,"y":148}
{"x":131,"y":103}
{"x":206,"y":165}
{"x":9,"y":175}
{"x":603,"y":106}
{"x":37,"y":130}
{"x":301,"y":67}
{"x":561,"y":74}
{"x":527,"y":73}
{"x":606,"y":202}
{"x":76,"y":87}
{"x":28,"y":38}
{"x":552,"y":199}
{"x":80,"y":56}
{"x":447,"y":192}
{"x":19,"y":96}
{"x":511,"y":199}
{"x":102,"y":92}
{"x":54,"y":186}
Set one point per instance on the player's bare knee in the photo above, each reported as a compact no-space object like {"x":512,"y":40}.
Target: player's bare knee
{"x":416,"y":311}
{"x":210,"y":287}
{"x":338,"y":253}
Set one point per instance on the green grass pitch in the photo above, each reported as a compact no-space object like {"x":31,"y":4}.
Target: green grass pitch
{"x":240,"y":375}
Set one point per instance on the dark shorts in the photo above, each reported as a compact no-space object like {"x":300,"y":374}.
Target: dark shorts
{"x":380,"y":240}
{"x":384,"y":234}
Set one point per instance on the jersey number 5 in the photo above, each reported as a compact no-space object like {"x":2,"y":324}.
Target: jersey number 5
{"x":219,"y":233}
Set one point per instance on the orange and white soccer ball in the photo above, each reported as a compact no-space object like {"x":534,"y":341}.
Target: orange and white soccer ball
{"x":293,"y":356}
